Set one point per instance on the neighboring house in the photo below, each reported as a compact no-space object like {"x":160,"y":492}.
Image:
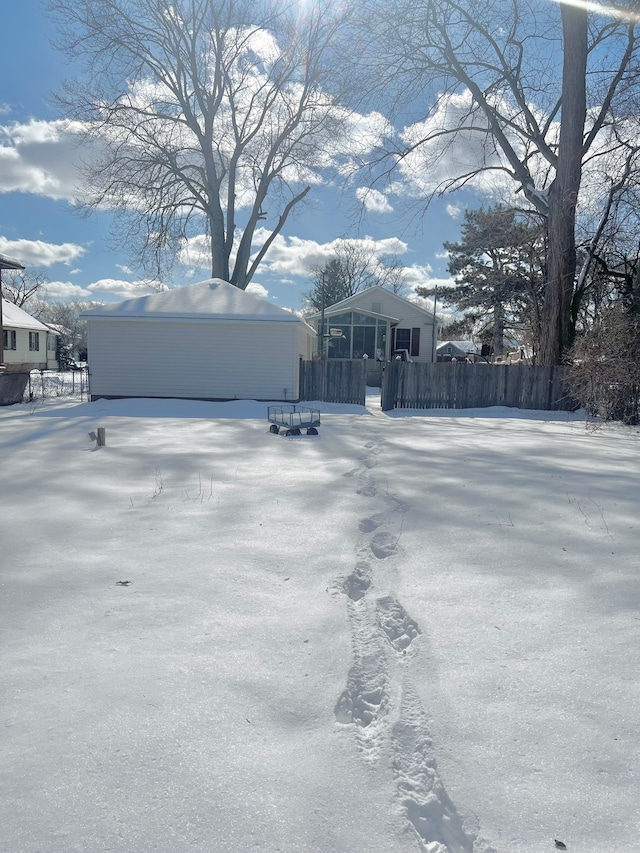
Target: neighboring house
{"x":28,"y":343}
{"x":376,"y":323}
{"x":460,"y":350}
{"x":209,"y":340}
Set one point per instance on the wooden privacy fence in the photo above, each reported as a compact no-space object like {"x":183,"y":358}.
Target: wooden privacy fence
{"x":334,"y":381}
{"x":451,"y":385}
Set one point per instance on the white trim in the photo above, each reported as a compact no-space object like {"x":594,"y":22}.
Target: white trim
{"x":332,"y":312}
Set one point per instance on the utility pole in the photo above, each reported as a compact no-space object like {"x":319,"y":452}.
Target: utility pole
{"x":435,"y":324}
{"x":323,"y":366}
{"x":321,"y":327}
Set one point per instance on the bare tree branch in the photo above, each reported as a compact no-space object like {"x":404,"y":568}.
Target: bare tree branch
{"x":202,"y":117}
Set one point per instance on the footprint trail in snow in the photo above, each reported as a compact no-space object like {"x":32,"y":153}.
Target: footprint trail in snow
{"x":379,"y":702}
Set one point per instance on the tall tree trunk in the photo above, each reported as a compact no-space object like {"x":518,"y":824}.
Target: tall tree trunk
{"x":219,"y":256}
{"x":497,"y":339}
{"x":561,"y":260}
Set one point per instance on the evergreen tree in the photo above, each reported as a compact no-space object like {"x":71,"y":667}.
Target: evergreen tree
{"x":499,"y":273}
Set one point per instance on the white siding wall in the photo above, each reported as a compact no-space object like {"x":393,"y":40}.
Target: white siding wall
{"x":193,"y":359}
{"x":305,"y":343}
{"x":23,"y":355}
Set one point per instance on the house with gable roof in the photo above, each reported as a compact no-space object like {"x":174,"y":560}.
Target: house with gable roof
{"x":377,"y":323}
{"x":27,"y":343}
{"x":207,"y":341}
{"x":458,"y":350}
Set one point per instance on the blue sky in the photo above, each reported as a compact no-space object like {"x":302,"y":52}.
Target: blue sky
{"x":38,"y":226}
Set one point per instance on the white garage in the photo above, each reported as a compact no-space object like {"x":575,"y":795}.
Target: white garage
{"x":207,"y":341}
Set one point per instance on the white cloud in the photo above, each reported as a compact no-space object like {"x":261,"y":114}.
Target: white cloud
{"x":295,"y":256}
{"x":373,"y":200}
{"x":442,"y":256}
{"x":196,"y":252}
{"x":263,"y":44}
{"x":289,"y":258}
{"x":126,"y":289}
{"x":454,"y":141}
{"x":257,"y":289}
{"x":442,"y":283}
{"x":44,"y":158}
{"x":65,"y":290}
{"x":454,"y":147}
{"x":40,"y":157}
{"x":37,"y":253}
{"x":362,"y":135}
{"x":417,"y":275}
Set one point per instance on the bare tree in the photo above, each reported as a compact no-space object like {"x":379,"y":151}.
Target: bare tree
{"x":498,"y":61}
{"x":609,"y":246}
{"x":604,"y":373}
{"x":24,"y":290}
{"x":354,"y":267}
{"x":71,"y":328}
{"x":204,"y":118}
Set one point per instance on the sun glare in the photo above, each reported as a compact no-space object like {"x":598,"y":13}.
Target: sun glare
{"x":603,"y":9}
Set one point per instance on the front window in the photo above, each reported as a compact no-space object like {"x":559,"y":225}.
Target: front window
{"x":403,"y":339}
{"x":9,"y":339}
{"x":341,"y":319}
{"x":408,"y":339}
{"x":34,"y":341}
{"x":363,"y":319}
{"x":361,"y":335}
{"x":364,"y":341}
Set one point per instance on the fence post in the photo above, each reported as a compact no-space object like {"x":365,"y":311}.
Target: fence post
{"x":389,"y":386}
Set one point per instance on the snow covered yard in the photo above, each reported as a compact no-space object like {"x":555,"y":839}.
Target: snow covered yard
{"x":415,"y":632}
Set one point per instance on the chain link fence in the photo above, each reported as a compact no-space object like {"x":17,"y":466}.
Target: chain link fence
{"x":45,"y":384}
